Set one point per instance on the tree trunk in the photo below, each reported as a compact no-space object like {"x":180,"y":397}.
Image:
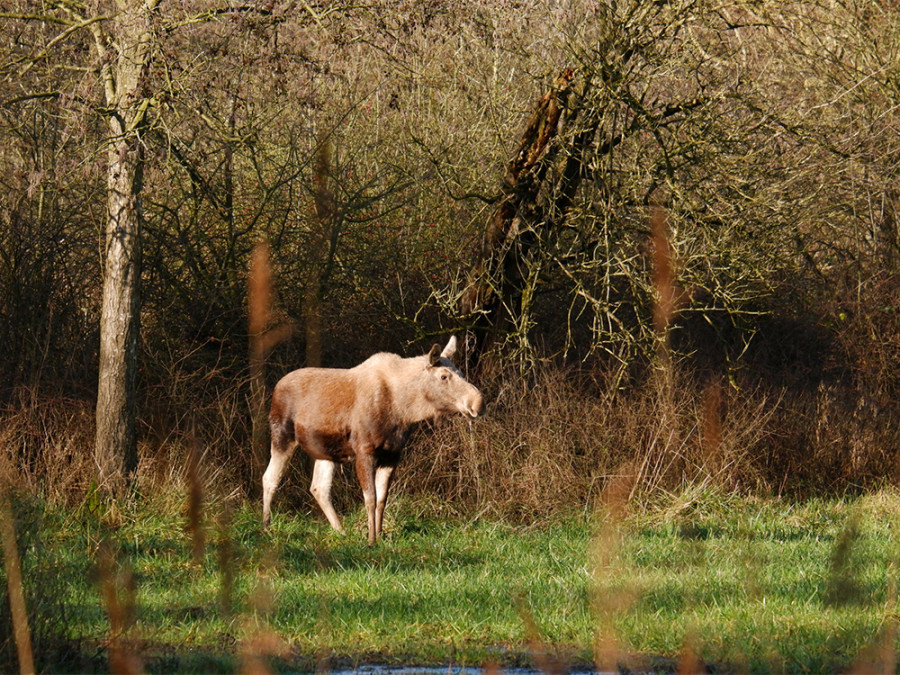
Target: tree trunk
{"x":125,"y":56}
{"x":500,"y":270}
{"x":116,"y":448}
{"x":322,"y":250}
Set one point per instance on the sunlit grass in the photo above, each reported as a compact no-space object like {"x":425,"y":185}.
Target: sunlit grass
{"x":749,"y":584}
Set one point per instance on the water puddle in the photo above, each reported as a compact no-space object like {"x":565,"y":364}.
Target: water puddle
{"x":450,"y":670}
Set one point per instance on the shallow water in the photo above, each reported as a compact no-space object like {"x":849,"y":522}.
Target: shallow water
{"x":449,"y":670}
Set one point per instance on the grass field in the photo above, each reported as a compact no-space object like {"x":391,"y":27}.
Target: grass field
{"x":750,"y":585}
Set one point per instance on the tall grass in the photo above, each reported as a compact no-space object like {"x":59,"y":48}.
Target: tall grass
{"x":555,"y":443}
{"x":45,"y":444}
{"x":548,"y":444}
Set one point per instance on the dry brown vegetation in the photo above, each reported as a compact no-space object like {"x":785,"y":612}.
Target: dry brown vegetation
{"x":767,"y":133}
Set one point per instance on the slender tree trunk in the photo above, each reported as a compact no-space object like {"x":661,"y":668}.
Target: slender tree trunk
{"x":322,"y":251}
{"x":116,"y":449}
{"x":126,"y":55}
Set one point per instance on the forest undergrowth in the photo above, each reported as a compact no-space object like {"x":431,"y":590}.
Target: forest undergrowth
{"x":657,"y":478}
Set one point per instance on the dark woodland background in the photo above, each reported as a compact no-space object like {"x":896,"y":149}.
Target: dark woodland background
{"x":745,"y":337}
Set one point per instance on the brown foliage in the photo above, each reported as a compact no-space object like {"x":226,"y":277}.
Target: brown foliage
{"x":770,"y":148}
{"x":554,"y":446}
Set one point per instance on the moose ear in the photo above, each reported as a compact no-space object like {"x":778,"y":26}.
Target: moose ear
{"x":434,"y":356}
{"x":450,"y":349}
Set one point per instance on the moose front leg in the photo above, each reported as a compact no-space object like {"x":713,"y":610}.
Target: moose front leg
{"x":382,"y":487}
{"x":365,"y":472}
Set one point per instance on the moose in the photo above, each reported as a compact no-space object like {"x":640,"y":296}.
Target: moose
{"x":362,"y":414}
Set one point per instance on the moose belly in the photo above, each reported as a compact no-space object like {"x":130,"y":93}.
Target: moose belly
{"x":335,"y":447}
{"x":339,"y":446}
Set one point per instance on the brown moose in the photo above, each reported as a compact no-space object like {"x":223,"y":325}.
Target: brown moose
{"x":363,"y":414}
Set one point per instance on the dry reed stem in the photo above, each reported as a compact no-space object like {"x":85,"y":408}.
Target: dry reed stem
{"x":711,"y":435}
{"x":321,"y":250}
{"x":666,"y":298}
{"x":689,"y":661}
{"x":261,"y":641}
{"x":261,"y":644}
{"x":604,"y":553}
{"x":120,"y":610}
{"x":21,"y":631}
{"x":262,"y":341}
{"x":260,"y":297}
{"x":881,"y":655}
{"x":545,"y":663}
{"x":195,"y":503}
{"x":324,"y":621}
{"x":262,"y":338}
{"x":226,"y":564}
{"x":256,"y":648}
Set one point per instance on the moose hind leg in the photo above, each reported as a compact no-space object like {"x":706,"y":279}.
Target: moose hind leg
{"x":281,"y":453}
{"x":323,"y":475}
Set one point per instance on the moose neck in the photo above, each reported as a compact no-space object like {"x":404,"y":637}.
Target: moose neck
{"x":410,"y":403}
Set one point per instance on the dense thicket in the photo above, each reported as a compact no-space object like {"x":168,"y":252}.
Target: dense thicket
{"x":366,"y":143}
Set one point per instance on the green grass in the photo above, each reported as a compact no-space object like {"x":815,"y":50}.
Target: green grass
{"x":751,"y":584}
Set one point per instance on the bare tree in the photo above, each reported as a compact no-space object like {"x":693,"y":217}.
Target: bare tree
{"x":124,"y":40}
{"x":127,"y":36}
{"x":134,"y":85}
{"x":125,"y":46}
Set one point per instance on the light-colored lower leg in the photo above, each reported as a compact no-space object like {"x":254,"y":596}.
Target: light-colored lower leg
{"x":382,"y":486}
{"x":365,"y":472}
{"x":270,"y":480}
{"x":323,"y":475}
